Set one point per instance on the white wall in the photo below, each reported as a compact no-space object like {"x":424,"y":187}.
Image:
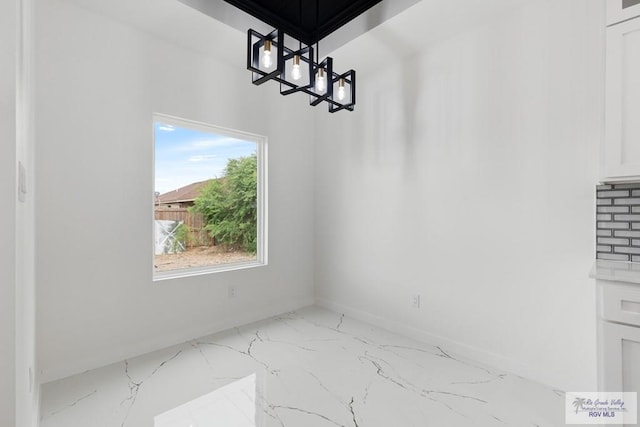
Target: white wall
{"x":8,"y":32}
{"x":98,"y":83}
{"x":466,"y":175}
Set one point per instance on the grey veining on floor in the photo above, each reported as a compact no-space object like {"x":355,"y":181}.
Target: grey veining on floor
{"x":308,"y":368}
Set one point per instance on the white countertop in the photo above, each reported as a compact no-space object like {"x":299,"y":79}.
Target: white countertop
{"x":616,"y":271}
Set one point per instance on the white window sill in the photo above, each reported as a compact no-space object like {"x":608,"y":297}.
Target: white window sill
{"x":199,"y":271}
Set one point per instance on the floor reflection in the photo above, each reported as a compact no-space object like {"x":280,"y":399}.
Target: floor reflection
{"x":233,"y":405}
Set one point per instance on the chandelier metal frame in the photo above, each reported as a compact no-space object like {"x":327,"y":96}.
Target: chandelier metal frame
{"x":346,"y":82}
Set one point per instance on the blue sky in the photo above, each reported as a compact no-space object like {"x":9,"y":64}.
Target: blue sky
{"x":185,"y":156}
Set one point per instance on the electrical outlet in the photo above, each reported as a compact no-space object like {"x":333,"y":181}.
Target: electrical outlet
{"x":415,"y":301}
{"x":232,"y":291}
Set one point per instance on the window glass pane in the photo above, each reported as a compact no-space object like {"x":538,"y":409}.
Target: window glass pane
{"x":206,"y":207}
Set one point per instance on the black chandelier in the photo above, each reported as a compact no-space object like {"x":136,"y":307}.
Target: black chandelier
{"x":268,"y":58}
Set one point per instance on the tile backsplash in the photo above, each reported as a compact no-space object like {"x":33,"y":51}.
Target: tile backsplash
{"x":618,"y":222}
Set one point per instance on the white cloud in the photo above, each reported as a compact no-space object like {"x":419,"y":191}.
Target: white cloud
{"x":202,"y":157}
{"x":167,"y":128}
{"x":211,"y":143}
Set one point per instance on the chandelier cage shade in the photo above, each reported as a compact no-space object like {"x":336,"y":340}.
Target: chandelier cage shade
{"x":268,"y":58}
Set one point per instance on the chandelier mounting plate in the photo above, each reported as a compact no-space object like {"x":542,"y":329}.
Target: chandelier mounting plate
{"x":307,"y":21}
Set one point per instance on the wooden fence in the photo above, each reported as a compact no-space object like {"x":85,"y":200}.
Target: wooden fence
{"x":198,"y":236}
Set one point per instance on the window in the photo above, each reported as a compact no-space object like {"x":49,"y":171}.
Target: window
{"x":629,"y":3}
{"x":210,"y":198}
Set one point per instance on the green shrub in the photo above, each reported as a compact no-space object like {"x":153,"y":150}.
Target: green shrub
{"x":229,"y":205}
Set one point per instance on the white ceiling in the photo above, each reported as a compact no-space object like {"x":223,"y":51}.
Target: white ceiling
{"x":425,"y":23}
{"x":175,"y":22}
{"x":387,"y":31}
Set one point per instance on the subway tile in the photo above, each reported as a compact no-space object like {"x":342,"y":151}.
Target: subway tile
{"x":627,"y":217}
{"x":612,"y":241}
{"x":625,"y":201}
{"x":626,"y":186}
{"x":613,"y":257}
{"x":614,"y":225}
{"x":626,"y":233}
{"x":618,"y":222}
{"x":613,"y":194}
{"x":616,"y":209}
{"x":626,"y":250}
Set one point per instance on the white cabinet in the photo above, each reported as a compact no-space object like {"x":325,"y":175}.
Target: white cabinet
{"x":619,"y":337}
{"x":621,"y":358}
{"x":621,"y":153}
{"x":620,"y":10}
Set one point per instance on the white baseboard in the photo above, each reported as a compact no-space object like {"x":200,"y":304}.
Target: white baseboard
{"x":460,"y":349}
{"x":168,"y":340}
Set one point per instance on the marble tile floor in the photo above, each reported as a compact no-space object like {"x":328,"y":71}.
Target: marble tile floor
{"x":309,"y":368}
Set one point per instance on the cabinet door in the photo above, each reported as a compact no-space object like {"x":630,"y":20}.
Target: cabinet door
{"x":619,"y":363}
{"x":622,"y":143}
{"x":619,"y":10}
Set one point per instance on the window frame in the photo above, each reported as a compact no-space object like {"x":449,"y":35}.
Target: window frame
{"x":262,"y":206}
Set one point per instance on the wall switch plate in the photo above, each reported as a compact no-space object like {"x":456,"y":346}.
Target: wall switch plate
{"x":415,"y":301}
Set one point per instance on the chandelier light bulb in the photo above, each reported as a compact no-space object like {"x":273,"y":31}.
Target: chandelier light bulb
{"x":341,"y":90}
{"x":321,"y":83}
{"x":267,"y":62}
{"x":296,"y":74}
